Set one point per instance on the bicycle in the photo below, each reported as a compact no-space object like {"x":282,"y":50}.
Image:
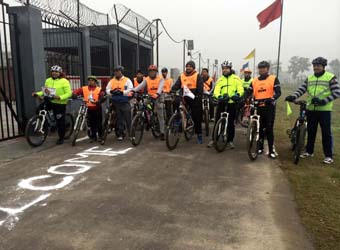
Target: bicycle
{"x":206,"y":108}
{"x":253,"y":133}
{"x":40,"y":125}
{"x":81,"y":122}
{"x":243,"y":114}
{"x":298,"y":133}
{"x":220,"y":132}
{"x":109,"y":121}
{"x":145,"y":115}
{"x":181,"y":121}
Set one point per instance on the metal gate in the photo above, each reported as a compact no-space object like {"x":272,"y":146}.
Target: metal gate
{"x":63,"y":45}
{"x":10,"y":123}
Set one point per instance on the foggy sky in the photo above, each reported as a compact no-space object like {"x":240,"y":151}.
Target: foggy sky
{"x":228,"y":29}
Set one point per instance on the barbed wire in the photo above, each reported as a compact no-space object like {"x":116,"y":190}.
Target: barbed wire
{"x":68,"y":10}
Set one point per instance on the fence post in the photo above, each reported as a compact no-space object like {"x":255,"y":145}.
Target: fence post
{"x":86,"y":53}
{"x":31,"y":57}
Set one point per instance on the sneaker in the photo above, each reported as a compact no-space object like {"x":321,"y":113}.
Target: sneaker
{"x":306,"y":154}
{"x":231,"y":145}
{"x":328,"y":160}
{"x":260,"y":151}
{"x":272,"y":155}
{"x":199,"y":139}
{"x":120,"y":138}
{"x":162,"y":137}
{"x":275,"y":152}
{"x":60,"y":141}
{"x":210,"y":144}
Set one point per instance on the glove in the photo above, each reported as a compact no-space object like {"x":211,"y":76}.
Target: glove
{"x":116,"y":92}
{"x":290,"y":98}
{"x":236,"y":98}
{"x":131,"y":94}
{"x":318,"y":102}
{"x":269,"y":101}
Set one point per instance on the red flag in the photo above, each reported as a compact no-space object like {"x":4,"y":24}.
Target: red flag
{"x":271,"y":13}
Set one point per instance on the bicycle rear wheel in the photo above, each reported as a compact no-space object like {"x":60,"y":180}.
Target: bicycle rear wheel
{"x":252,"y":144}
{"x":243,"y":118}
{"x":206,"y":121}
{"x":106,"y":127}
{"x":155,"y":126}
{"x":220,"y":135}
{"x":137,"y":130}
{"x":173,"y":131}
{"x":300,"y":143}
{"x":69,"y":125}
{"x":33,"y":135}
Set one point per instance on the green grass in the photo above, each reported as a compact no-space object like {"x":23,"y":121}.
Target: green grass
{"x":316,"y":186}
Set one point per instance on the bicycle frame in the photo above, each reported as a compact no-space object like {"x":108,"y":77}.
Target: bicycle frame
{"x":205,"y":102}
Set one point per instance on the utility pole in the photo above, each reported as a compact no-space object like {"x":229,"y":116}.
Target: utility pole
{"x":208,"y":64}
{"x":157,"y":42}
{"x":199,"y":62}
{"x":184,"y":44}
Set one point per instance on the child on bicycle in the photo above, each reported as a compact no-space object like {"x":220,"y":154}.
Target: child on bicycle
{"x":92,"y":95}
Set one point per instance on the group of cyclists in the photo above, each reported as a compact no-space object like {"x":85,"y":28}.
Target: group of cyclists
{"x":227,"y":93}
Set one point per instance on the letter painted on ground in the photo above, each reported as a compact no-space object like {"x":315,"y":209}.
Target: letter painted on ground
{"x":26,"y":183}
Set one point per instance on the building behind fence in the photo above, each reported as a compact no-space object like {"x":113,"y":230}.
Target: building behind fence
{"x":42,"y":33}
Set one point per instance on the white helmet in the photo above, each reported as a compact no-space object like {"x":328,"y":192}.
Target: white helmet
{"x":57,"y":68}
{"x":227,"y":64}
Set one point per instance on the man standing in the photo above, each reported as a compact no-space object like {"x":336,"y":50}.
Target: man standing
{"x":193,"y":81}
{"x":154,"y":85}
{"x":168,"y":82}
{"x":119,"y":87}
{"x":266,"y":89}
{"x":208,"y":89}
{"x":231,"y":85}
{"x":322,"y":88}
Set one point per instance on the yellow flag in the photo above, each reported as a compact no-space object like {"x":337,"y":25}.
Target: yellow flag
{"x":251,"y":55}
{"x":289,"y":109}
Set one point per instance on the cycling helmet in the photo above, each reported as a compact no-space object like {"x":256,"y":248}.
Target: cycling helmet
{"x":57,"y":68}
{"x":263,"y":64}
{"x":153,"y":68}
{"x":165,"y":70}
{"x":320,"y":60}
{"x":118,"y":68}
{"x":227,"y":64}
{"x":191,"y":63}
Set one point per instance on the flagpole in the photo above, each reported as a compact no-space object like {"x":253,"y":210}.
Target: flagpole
{"x":254,"y":64}
{"x":279,"y":51}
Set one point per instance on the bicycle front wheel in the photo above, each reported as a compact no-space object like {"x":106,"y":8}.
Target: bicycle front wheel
{"x":36,"y":131}
{"x":173,"y":131}
{"x":77,"y":130}
{"x":221,"y":135}
{"x":300,"y":143}
{"x":106,"y":127}
{"x":252,"y":143}
{"x":69,"y":125}
{"x":137,"y":130}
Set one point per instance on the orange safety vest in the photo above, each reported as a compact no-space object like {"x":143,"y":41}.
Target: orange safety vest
{"x":264,"y":89}
{"x":167,"y":85}
{"x":135,"y":84}
{"x":95,"y":95}
{"x":118,"y":84}
{"x":189,"y":81}
{"x":152,"y":85}
{"x":208,"y":84}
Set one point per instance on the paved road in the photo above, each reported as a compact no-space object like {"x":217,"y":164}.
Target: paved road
{"x":146,"y":198}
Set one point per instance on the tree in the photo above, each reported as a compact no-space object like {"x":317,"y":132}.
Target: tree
{"x":298,"y":65}
{"x":335,"y":67}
